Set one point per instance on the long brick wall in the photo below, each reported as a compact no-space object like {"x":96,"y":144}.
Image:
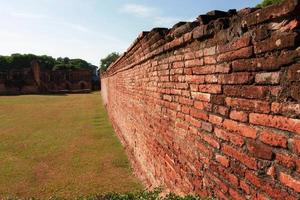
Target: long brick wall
{"x":212,"y":107}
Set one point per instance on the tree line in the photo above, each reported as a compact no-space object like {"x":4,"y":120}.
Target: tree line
{"x":19,"y":61}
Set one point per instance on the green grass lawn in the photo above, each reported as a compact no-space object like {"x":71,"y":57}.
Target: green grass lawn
{"x":60,"y":145}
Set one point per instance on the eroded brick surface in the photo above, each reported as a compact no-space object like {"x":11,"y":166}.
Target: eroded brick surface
{"x":212,"y":107}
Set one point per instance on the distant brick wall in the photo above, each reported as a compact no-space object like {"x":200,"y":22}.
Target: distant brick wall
{"x":213,"y":107}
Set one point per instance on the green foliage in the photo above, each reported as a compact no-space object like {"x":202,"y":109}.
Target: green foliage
{"x":266,"y":3}
{"x":18,"y":61}
{"x":108,"y":60}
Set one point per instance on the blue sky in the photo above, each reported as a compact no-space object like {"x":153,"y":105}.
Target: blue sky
{"x":91,"y":29}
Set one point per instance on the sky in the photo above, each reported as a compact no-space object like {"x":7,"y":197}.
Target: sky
{"x":91,"y":29}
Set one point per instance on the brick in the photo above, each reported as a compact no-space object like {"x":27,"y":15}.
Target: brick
{"x":243,"y":158}
{"x":283,"y":123}
{"x":195,"y":79}
{"x":293,"y":72}
{"x":208,"y":69}
{"x":181,"y":85}
{"x":296,"y":145}
{"x":201,"y":96}
{"x":193,"y":121}
{"x":222,"y":110}
{"x":235,"y":195}
{"x":223,"y":68}
{"x":214,"y":119}
{"x":251,"y":92}
{"x":207,"y":126}
{"x":285,"y":160}
{"x":199,"y":114}
{"x":287,"y":109}
{"x":259,"y":150}
{"x":269,"y":188}
{"x":230,"y":137}
{"x":167,"y":97}
{"x":238,"y":43}
{"x":270,"y":63}
{"x":245,"y":187}
{"x":209,"y":51}
{"x":245,"y":52}
{"x":268,"y":78}
{"x":276,"y":42}
{"x":211,"y":79}
{"x":210,"y":88}
{"x":218,"y":99}
{"x":240,"y":128}
{"x":248,"y":105}
{"x":178,"y":64}
{"x":273,"y":139}
{"x":270,"y":13}
{"x":239,"y":116}
{"x":185,"y":101}
{"x":210,"y":60}
{"x":235,"y":78}
{"x":193,"y":63}
{"x":289,"y":181}
{"x":223,"y":160}
{"x":210,"y":140}
{"x":200,"y":105}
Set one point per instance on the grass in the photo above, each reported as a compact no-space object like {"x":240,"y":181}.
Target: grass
{"x":61,"y":146}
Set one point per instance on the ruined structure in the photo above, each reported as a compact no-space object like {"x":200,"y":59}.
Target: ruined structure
{"x":34,"y":80}
{"x":212,"y":106}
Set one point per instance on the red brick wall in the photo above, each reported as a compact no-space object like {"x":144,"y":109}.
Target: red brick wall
{"x":212,"y":107}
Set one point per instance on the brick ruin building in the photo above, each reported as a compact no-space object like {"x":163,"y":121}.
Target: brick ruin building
{"x":212,"y":107}
{"x":34,"y":80}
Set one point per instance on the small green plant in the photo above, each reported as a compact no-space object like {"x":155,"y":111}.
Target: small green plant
{"x":266,"y":3}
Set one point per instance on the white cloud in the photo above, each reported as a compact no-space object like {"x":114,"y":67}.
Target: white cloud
{"x":139,"y":10}
{"x":24,"y":15}
{"x":155,"y":14}
{"x":165,"y":21}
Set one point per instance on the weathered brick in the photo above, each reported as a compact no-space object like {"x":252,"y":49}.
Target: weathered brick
{"x":210,"y":140}
{"x":252,"y":92}
{"x":238,"y":115}
{"x":287,"y":109}
{"x":214,"y":119}
{"x":235,"y":78}
{"x":210,"y":88}
{"x":296,"y":145}
{"x":276,"y":42}
{"x":210,"y":51}
{"x":245,"y":186}
{"x":285,"y":160}
{"x":289,"y":181}
{"x":201,"y":96}
{"x":240,"y":128}
{"x":273,"y":139}
{"x":270,"y":63}
{"x":193,"y":63}
{"x":283,"y":123}
{"x":223,"y":160}
{"x":199,"y":114}
{"x":227,"y":136}
{"x":268,"y":78}
{"x":248,"y":105}
{"x":245,"y":52}
{"x":238,"y":43}
{"x":242,"y":157}
{"x":195,"y":79}
{"x":259,"y":150}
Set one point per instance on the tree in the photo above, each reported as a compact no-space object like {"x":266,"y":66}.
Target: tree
{"x":108,"y":60}
{"x":266,"y":3}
